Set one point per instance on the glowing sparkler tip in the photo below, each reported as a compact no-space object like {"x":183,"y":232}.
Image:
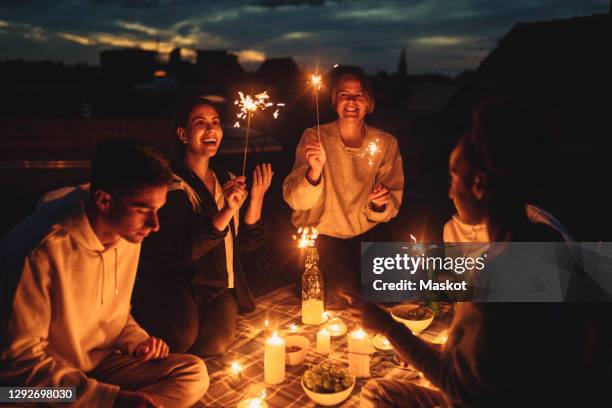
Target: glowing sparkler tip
{"x":306,"y":237}
{"x":413,"y":238}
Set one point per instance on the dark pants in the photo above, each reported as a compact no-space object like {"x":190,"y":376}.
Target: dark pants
{"x":196,"y":320}
{"x":340,"y":260}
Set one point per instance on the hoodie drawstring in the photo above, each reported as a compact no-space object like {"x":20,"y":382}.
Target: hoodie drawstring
{"x":103,"y":278}
{"x":116,"y":291}
{"x":103,"y":269}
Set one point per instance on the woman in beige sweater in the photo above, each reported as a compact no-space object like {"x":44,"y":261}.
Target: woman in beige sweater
{"x":338,"y":186}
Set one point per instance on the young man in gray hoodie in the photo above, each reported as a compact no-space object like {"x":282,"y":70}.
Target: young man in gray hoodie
{"x":67,"y":274}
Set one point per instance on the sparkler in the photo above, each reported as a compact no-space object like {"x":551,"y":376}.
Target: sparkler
{"x":248,"y":106}
{"x":316,"y":82}
{"x":306,"y":237}
{"x":371,"y":150}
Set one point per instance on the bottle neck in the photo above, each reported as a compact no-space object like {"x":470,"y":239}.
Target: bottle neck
{"x":312,"y":257}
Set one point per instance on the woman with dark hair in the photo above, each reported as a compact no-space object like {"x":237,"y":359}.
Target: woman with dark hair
{"x":191,"y":285}
{"x":340,"y":187}
{"x":497,"y":354}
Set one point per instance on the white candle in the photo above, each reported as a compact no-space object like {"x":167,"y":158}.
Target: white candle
{"x":359,"y":353}
{"x":323,"y":341}
{"x":274,"y":360}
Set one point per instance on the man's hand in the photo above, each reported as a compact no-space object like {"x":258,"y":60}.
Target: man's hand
{"x":379,"y":197}
{"x":375,"y":317}
{"x":152,"y":348}
{"x":133,"y":399}
{"x":315,"y":156}
{"x":262,"y":178}
{"x":235,"y":193}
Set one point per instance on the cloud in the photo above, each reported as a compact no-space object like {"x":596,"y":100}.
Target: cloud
{"x":440,"y":41}
{"x":283,"y":3}
{"x":250,"y":56}
{"x":296,"y":35}
{"x":137,"y":27}
{"x":76,"y":38}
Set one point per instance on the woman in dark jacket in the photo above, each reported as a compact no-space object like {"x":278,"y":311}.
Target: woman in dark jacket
{"x":190,"y":284}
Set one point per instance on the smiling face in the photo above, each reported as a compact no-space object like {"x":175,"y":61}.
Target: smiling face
{"x":202,"y":135}
{"x":351,"y":100}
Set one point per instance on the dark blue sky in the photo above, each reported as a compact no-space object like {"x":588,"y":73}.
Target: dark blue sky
{"x":445,"y":36}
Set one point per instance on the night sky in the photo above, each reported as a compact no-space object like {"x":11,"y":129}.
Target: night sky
{"x":439,"y":36}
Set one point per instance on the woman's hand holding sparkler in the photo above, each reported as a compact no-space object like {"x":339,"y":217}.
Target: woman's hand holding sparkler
{"x":315,"y":155}
{"x":235,"y":193}
{"x":379,"y":197}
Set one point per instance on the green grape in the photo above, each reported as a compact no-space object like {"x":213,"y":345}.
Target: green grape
{"x":337,"y":387}
{"x":341,"y":373}
{"x":318,"y":380}
{"x":309,"y":384}
{"x":347,"y":382}
{"x":327,"y":385}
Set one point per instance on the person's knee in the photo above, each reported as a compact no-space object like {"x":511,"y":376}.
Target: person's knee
{"x":181,"y":334}
{"x":220,"y":342}
{"x":201,"y":380}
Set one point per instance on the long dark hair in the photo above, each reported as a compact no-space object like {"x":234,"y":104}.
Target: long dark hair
{"x":181,"y":118}
{"x":505,"y":144}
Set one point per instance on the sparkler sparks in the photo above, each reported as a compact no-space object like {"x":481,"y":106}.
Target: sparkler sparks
{"x":248,"y":105}
{"x":306,"y":237}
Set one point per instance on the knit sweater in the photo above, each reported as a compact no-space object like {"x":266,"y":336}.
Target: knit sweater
{"x":338,"y":206}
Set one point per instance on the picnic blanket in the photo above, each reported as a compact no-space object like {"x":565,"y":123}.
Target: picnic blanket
{"x":281,"y":308}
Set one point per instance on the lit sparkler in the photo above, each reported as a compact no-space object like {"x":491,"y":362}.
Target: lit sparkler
{"x":248,"y":106}
{"x":371,"y":150}
{"x":316,"y":82}
{"x":306,"y":237}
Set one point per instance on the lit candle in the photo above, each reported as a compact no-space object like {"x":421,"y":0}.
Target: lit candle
{"x":359,"y":353}
{"x":336,"y":327}
{"x":234,"y":370}
{"x":293,"y":328}
{"x":254,"y":402}
{"x":323,"y":341}
{"x":274,"y":360}
{"x":381,"y":343}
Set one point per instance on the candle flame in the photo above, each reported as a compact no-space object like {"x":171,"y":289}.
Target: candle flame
{"x":306,"y":237}
{"x":293,"y":327}
{"x":324,"y":331}
{"x":335,"y":327}
{"x":235,"y":368}
{"x":414,"y":239}
{"x":266,"y":323}
{"x":359,"y":333}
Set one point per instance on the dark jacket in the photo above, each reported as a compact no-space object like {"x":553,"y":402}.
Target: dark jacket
{"x":187,"y":249}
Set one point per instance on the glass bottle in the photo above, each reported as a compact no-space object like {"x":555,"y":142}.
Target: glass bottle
{"x":312,"y":289}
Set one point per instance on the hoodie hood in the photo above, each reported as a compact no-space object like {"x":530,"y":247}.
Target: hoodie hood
{"x":66,"y":207}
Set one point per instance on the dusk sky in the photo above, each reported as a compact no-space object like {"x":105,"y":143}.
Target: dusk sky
{"x":445,"y":36}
